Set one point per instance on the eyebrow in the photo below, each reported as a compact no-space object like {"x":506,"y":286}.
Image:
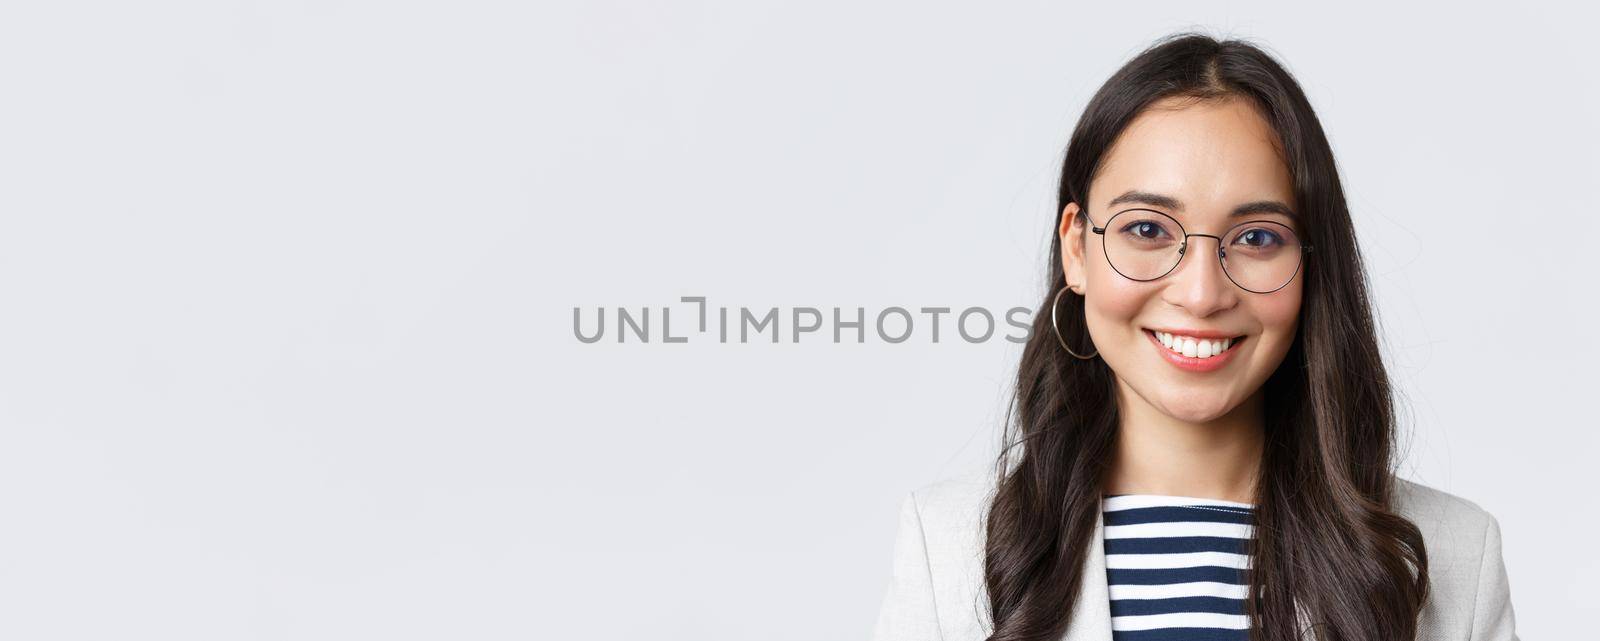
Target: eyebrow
{"x":1168,"y":202}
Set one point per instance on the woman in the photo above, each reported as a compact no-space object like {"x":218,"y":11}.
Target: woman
{"x":1201,"y":411}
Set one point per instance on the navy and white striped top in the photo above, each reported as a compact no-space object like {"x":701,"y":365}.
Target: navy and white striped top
{"x":1175,"y":567}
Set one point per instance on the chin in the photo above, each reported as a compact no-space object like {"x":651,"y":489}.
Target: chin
{"x":1197,"y":407}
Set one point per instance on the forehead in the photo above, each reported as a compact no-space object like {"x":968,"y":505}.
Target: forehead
{"x":1209,"y":155}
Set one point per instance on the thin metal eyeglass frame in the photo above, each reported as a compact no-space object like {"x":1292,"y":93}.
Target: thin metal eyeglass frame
{"x":1305,"y":248}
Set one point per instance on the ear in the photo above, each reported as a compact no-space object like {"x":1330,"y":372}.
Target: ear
{"x":1072,"y":259}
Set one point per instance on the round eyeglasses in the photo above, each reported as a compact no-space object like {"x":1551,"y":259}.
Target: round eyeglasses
{"x":1260,"y":256}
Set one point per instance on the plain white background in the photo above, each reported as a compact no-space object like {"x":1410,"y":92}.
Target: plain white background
{"x":286,"y":296}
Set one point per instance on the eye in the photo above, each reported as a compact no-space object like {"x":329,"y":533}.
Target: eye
{"x":1144,"y":230}
{"x":1258,"y":238}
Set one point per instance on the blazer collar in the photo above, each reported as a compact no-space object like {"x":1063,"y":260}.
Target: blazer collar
{"x":1091,"y":614}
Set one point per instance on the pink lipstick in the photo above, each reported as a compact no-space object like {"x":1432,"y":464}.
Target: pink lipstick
{"x":1195,"y":364}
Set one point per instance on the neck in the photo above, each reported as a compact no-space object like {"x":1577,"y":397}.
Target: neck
{"x":1159,"y":454}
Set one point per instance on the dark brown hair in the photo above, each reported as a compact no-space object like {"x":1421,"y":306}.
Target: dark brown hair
{"x":1327,"y":537}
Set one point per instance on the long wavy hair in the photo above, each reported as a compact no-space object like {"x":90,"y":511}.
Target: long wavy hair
{"x":1327,"y":537}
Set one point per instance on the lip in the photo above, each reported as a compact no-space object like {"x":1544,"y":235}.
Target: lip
{"x":1192,"y":363}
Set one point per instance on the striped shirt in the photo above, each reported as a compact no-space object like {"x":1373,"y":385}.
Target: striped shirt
{"x":1174,"y":566}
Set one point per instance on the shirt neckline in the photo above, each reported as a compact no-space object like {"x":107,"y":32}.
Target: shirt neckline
{"x":1153,"y":500}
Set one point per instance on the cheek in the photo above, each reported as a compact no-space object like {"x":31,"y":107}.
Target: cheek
{"x":1279,"y":314}
{"x":1114,"y":297}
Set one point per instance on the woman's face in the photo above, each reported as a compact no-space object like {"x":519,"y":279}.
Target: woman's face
{"x":1207,"y":158}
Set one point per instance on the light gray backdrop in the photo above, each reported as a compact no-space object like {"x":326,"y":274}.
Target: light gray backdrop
{"x":286,"y":345}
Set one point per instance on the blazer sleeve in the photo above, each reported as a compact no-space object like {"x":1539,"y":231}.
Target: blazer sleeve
{"x":907,"y":612}
{"x":1492,"y":616}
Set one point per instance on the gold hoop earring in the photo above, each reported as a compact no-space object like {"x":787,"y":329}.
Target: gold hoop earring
{"x":1056,"y":326}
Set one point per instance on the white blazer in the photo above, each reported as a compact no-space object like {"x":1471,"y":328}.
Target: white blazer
{"x":938,"y":594}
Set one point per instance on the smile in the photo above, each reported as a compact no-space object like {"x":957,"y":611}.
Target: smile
{"x":1192,"y":353}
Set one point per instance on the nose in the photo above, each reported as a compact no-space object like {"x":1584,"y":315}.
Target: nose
{"x":1199,"y":284}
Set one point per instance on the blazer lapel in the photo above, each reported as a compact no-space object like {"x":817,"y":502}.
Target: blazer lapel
{"x":1091,"y":614}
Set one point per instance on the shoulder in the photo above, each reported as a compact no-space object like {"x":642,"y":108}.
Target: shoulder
{"x":1436,"y":506}
{"x":1454,"y":529}
{"x":1469,"y":593}
{"x":952,"y":510}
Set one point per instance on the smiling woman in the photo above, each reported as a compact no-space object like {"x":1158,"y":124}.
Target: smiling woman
{"x":1206,"y":414}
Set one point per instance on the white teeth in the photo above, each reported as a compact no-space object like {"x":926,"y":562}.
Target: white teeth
{"x":1194,"y":347}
